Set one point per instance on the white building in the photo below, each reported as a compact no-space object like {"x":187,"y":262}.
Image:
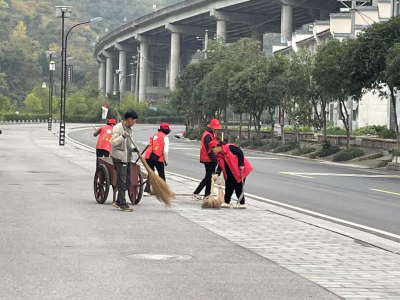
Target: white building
{"x":372,"y":109}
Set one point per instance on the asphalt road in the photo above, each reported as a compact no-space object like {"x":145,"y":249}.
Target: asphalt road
{"x":354,"y":195}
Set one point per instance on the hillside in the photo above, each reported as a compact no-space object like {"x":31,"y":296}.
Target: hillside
{"x":29,"y":27}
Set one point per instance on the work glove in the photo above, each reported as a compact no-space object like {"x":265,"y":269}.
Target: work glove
{"x":135,"y":150}
{"x":126,"y":134}
{"x":165,"y":164}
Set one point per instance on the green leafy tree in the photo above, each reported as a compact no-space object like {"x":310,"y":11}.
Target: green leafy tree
{"x":333,"y":76}
{"x":33,"y":104}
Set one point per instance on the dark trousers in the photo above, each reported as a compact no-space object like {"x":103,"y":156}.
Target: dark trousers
{"x":160,"y":170}
{"x":102,"y":153}
{"x":231,"y":185}
{"x":123,"y":180}
{"x":206,"y":182}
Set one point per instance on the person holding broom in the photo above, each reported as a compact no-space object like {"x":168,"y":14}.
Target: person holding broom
{"x":121,"y":154}
{"x":103,"y":146}
{"x":236,"y":168}
{"x":207,"y":158}
{"x":157,"y":153}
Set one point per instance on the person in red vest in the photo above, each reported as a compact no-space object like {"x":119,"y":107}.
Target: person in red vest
{"x":207,"y":158}
{"x":236,"y":168}
{"x":103,"y":146}
{"x":157,"y":153}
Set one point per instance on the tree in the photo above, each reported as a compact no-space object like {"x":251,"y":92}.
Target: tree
{"x":5,"y":105}
{"x":33,"y":104}
{"x":371,"y":63}
{"x":301,"y":93}
{"x":392,"y":74}
{"x":333,"y":76}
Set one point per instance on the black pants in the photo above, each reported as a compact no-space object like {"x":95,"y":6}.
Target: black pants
{"x":123,"y":180}
{"x":231,"y":185}
{"x":160,"y":170}
{"x":102,"y":153}
{"x":206,"y":182}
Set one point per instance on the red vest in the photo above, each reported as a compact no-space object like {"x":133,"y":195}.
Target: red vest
{"x":232,"y":161}
{"x":203,"y":153}
{"x":104,"y":138}
{"x":156,"y":146}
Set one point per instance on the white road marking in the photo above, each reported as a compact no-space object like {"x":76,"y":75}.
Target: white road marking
{"x":386,"y":192}
{"x":342,"y":175}
{"x":262,"y":158}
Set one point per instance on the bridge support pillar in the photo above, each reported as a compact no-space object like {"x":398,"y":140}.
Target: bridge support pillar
{"x":144,"y":56}
{"x":109,"y":74}
{"x":175,"y":56}
{"x":122,"y":74}
{"x":102,"y":76}
{"x":257,"y":36}
{"x":221,"y":31}
{"x":287,"y":22}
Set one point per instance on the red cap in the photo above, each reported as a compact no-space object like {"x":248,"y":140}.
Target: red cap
{"x":165,"y":126}
{"x":212,"y":144}
{"x":214,"y":124}
{"x":112,"y":121}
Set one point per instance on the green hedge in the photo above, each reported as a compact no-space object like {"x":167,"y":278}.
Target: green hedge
{"x":20,"y":117}
{"x":348,"y":154}
{"x":325,"y":152}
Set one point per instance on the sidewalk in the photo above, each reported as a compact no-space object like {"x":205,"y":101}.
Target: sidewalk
{"x":61,"y":247}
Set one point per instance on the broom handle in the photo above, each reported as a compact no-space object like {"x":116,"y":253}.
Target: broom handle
{"x":212,"y":186}
{"x":94,"y":127}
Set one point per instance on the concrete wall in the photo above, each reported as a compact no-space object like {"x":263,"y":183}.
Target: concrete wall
{"x":340,"y":24}
{"x":372,"y":110}
{"x":384,"y":10}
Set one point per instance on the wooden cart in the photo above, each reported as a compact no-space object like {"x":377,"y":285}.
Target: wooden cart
{"x":106,"y":175}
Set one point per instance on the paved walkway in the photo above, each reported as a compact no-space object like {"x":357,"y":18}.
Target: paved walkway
{"x":347,"y":267}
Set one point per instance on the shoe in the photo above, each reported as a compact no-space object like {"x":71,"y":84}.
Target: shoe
{"x":146,"y":194}
{"x":125,"y":207}
{"x":226,"y":205}
{"x":115,"y":204}
{"x":196,"y":197}
{"x":240,"y":206}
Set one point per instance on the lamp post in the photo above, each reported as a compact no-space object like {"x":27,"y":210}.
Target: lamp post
{"x":130,"y":75}
{"x":52,"y":67}
{"x":65,"y":12}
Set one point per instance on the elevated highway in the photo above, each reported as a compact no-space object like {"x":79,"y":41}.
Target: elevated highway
{"x":157,"y":46}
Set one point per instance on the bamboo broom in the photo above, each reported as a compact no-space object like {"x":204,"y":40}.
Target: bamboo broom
{"x":210,"y":202}
{"x":159,"y":186}
{"x":221,"y":195}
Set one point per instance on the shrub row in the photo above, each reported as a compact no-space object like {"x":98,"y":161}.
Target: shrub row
{"x":325,"y":152}
{"x":348,"y":154}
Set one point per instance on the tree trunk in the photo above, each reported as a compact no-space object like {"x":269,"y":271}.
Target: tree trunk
{"x":271,"y":114}
{"x":345,"y":120}
{"x":324,"y":119}
{"x":240,"y":126}
{"x":225,"y":124}
{"x":249,"y":127}
{"x":257,"y":125}
{"x":393,"y":99}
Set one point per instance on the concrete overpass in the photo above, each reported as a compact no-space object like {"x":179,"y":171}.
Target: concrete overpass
{"x":164,"y":41}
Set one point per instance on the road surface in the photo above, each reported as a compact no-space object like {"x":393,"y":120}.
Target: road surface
{"x":358,"y":196}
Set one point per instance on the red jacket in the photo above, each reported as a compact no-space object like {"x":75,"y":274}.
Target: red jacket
{"x":103,"y":141}
{"x":232,"y":161}
{"x":204,"y":157}
{"x":156,"y":146}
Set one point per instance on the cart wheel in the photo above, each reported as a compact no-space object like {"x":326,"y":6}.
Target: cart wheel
{"x":139,"y":191}
{"x":101,"y":184}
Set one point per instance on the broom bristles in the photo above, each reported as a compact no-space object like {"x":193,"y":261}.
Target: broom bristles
{"x":158,"y":185}
{"x":210,"y":202}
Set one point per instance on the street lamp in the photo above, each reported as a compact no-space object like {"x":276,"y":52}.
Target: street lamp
{"x":44,"y":85}
{"x":121,"y":95}
{"x":65,"y":12}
